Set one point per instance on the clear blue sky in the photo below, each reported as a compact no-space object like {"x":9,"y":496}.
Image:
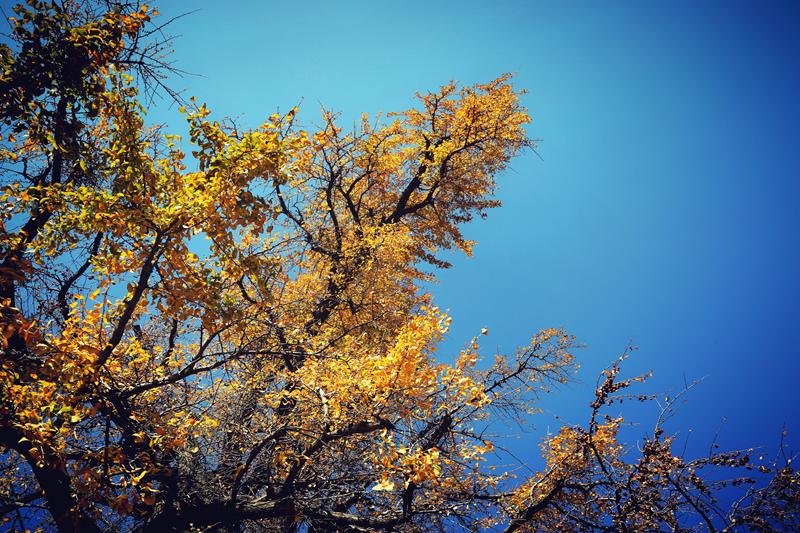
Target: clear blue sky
{"x":663,"y":210}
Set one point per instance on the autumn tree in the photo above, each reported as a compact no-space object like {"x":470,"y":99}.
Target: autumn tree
{"x":228,"y":331}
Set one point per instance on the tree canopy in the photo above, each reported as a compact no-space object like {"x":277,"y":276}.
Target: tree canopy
{"x":229,"y":331}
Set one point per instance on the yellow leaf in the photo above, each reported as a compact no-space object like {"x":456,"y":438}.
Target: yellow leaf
{"x":384,"y":485}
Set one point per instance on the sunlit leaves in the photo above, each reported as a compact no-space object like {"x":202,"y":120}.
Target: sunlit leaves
{"x":231,"y":329}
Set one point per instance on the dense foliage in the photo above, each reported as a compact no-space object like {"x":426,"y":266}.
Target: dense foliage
{"x":236,"y":337}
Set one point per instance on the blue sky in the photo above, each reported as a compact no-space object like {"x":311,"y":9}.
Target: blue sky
{"x":662,"y":211}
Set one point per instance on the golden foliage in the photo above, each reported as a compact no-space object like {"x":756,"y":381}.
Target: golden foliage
{"x":231,"y":329}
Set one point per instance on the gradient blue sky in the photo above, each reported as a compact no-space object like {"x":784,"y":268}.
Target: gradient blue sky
{"x":663,"y":210}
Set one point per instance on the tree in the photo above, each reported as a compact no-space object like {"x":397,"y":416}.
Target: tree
{"x":236,"y":338}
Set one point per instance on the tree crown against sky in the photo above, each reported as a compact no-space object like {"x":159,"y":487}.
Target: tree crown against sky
{"x":233,"y":335}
